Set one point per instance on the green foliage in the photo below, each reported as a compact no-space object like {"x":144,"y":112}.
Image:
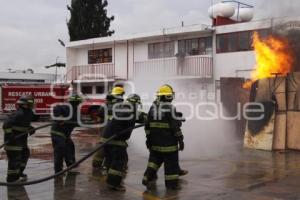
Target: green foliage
{"x":89,"y":19}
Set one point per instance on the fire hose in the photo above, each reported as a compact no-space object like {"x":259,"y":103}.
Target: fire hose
{"x":73,"y":165}
{"x":26,"y":133}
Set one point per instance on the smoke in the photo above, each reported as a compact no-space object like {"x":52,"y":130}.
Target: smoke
{"x":294,"y":41}
{"x":291,"y":32}
{"x":276,"y":8}
{"x":203,"y":138}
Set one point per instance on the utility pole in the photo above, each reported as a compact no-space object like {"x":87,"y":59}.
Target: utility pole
{"x":56,"y":65}
{"x":56,"y":69}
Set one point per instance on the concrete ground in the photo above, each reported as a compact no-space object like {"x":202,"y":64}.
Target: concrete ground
{"x":236,"y":173}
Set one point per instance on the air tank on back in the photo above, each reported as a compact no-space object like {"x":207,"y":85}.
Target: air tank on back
{"x":221,"y":10}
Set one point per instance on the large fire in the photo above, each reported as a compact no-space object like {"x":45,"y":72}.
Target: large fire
{"x":273,"y":57}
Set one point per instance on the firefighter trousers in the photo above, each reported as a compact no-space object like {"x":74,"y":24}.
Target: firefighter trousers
{"x":64,"y":150}
{"x":170,"y":161}
{"x":99,"y":158}
{"x":116,"y":159}
{"x":17,"y":161}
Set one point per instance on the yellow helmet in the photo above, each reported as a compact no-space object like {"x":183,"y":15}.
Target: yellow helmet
{"x":117,"y":91}
{"x":165,"y":90}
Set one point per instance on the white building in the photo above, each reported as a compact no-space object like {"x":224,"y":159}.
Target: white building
{"x":198,"y":53}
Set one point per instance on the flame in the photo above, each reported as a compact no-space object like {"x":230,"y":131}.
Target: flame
{"x":273,"y":57}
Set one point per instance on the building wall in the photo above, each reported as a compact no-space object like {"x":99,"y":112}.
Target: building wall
{"x":140,"y":51}
{"x":233,"y":64}
{"x":82,"y":57}
{"x":71,"y":57}
{"x":227,"y":64}
{"x":244,"y":26}
{"x":120,"y":59}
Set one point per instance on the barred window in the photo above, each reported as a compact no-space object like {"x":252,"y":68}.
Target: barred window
{"x":100,"y":56}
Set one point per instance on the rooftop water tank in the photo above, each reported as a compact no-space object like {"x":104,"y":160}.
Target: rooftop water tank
{"x":221,"y":10}
{"x":243,"y":14}
{"x":246,"y":14}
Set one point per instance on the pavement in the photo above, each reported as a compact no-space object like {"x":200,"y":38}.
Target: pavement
{"x":236,"y":173}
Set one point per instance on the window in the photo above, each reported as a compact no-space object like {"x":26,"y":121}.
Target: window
{"x":222,"y":43}
{"x":181,"y":46}
{"x":238,"y":41}
{"x":263,"y":33}
{"x":100,"y":56}
{"x":198,"y":46}
{"x":205,"y":46}
{"x":99,"y":89}
{"x":232,"y":42}
{"x":244,"y":41}
{"x":87,"y":90}
{"x":161,"y":50}
{"x":192,"y":47}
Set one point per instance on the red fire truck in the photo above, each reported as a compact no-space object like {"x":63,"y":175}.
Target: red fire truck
{"x":44,"y":95}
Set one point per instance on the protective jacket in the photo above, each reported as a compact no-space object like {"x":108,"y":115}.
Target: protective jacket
{"x":105,"y":112}
{"x":163,"y":129}
{"x":15,"y":125}
{"x":124,"y":117}
{"x":17,"y":150}
{"x":61,"y":126}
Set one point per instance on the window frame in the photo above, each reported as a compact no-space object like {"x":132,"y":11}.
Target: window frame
{"x":102,"y":89}
{"x":159,"y":50}
{"x":104,"y":56}
{"x":238,"y":45}
{"x":185,"y":44}
{"x":85,"y":87}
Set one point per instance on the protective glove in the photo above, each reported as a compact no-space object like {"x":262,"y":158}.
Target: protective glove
{"x":181,"y":145}
{"x":31,"y":130}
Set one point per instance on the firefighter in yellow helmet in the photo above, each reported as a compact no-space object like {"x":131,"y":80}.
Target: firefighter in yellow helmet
{"x":126,"y":115}
{"x":105,"y":114}
{"x":118,"y":91}
{"x":164,"y":139}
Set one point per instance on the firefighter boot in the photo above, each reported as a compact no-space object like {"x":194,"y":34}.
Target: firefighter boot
{"x":119,"y":188}
{"x":183,"y":172}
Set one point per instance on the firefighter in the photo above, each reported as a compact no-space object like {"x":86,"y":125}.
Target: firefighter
{"x":17,"y":150}
{"x":105,"y":115}
{"x":164,"y":139}
{"x":64,"y":123}
{"x":124,"y":117}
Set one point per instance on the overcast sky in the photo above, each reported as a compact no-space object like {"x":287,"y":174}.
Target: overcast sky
{"x":29,"y":29}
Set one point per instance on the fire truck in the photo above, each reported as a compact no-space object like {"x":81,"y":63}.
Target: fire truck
{"x":45,"y":95}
